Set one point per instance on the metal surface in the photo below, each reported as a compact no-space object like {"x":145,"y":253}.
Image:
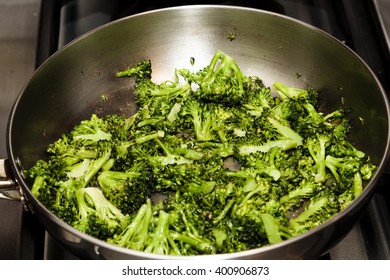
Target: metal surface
{"x":18,"y":26}
{"x":68,"y":88}
{"x":8,"y":187}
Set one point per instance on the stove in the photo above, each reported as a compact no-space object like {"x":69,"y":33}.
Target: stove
{"x":362,"y":25}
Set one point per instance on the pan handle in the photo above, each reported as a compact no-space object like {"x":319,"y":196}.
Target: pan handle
{"x":9,"y":189}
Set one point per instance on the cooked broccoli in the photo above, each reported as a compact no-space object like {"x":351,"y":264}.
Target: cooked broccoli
{"x":141,"y":70}
{"x":212,"y":162}
{"x":317,"y":149}
{"x":221,"y":81}
{"x":274,"y":231}
{"x":162,"y":242}
{"x":96,"y":215}
{"x":127,"y":190}
{"x":319,"y":210}
{"x":135,"y":235}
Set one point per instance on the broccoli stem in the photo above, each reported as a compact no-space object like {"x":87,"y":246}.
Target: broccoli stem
{"x":39,"y":183}
{"x":160,"y":242}
{"x":102,"y":206}
{"x":153,"y":136}
{"x":313,"y":113}
{"x":306,"y":189}
{"x":225,"y":211}
{"x":285,"y":91}
{"x":135,"y":234}
{"x":271,"y":228}
{"x":299,"y":223}
{"x":286,"y":131}
{"x":173,"y":114}
{"x":284,"y":144}
{"x":197,"y":243}
{"x":317,"y":150}
{"x":220,"y":236}
{"x":357,"y":184}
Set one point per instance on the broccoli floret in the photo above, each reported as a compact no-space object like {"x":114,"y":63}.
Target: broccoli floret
{"x":299,"y":195}
{"x":186,"y":175}
{"x":262,"y":159}
{"x":345,"y":148}
{"x":168,"y":157}
{"x":260,"y":101}
{"x":299,"y":107}
{"x":367,"y":170}
{"x":96,"y":215}
{"x":349,"y":173}
{"x":58,"y":194}
{"x":188,"y":224}
{"x":356,"y":187}
{"x":317,"y":149}
{"x":319,"y":210}
{"x":126,"y":190}
{"x":309,"y":96}
{"x":91,"y":131}
{"x":160,"y":98}
{"x":142,"y":70}
{"x":202,"y":117}
{"x":343,"y":168}
{"x":286,"y":131}
{"x":222,"y":81}
{"x":136,"y":234}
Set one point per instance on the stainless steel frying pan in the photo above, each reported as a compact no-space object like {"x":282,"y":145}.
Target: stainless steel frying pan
{"x":68,"y":88}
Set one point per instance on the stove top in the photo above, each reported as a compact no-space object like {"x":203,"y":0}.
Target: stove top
{"x":48,"y":25}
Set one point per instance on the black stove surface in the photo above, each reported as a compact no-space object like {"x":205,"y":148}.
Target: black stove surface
{"x":355,"y":23}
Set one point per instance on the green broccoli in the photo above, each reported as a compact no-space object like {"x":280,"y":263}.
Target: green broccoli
{"x":96,"y":215}
{"x":141,"y":70}
{"x":211,"y":163}
{"x":222,"y":81}
{"x":274,"y":231}
{"x":127,"y":190}
{"x":136,"y":234}
{"x":319,"y":210}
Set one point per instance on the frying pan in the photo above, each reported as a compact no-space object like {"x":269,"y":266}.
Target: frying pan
{"x":68,"y":87}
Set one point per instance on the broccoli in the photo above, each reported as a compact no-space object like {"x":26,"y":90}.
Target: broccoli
{"x":221,"y":81}
{"x":319,"y":210}
{"x":286,"y":132}
{"x":162,"y":243}
{"x":342,"y":168}
{"x":127,"y":190}
{"x":260,"y":101}
{"x":198,"y":244}
{"x":274,"y":231}
{"x":96,"y":215}
{"x":201,"y":117}
{"x":299,"y":194}
{"x":284,"y":144}
{"x":212,"y":162}
{"x":142,"y":70}
{"x":317,"y":149}
{"x":135,"y":235}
